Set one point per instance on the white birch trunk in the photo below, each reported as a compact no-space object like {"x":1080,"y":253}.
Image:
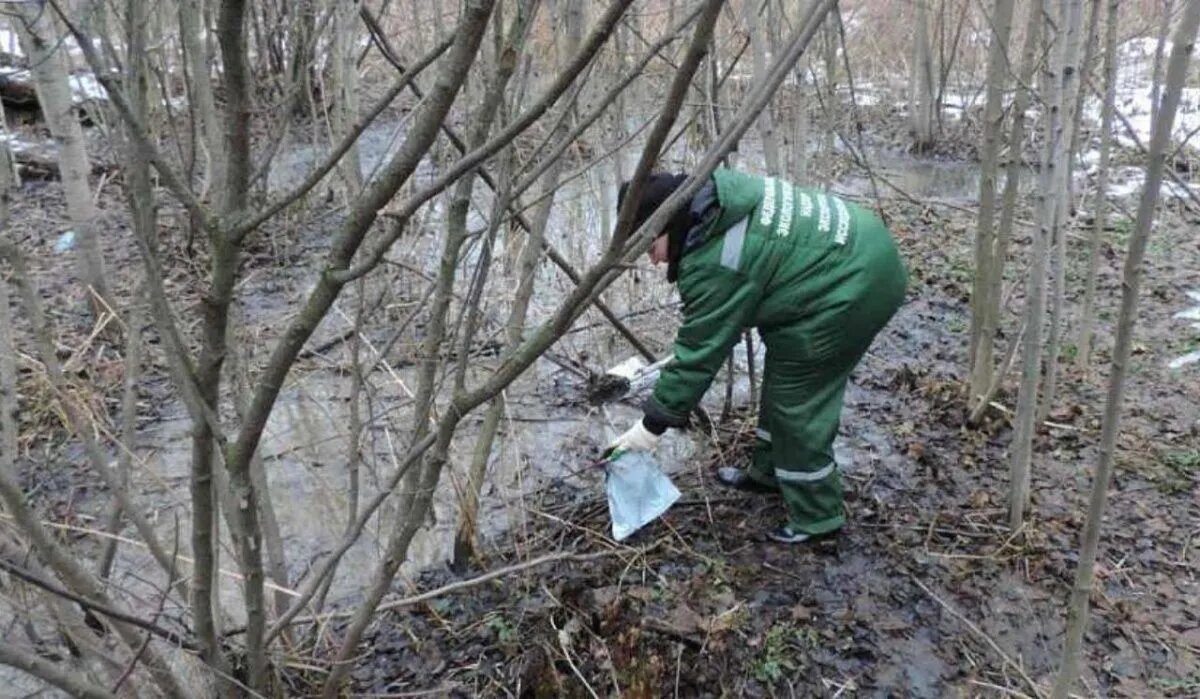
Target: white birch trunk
{"x":40,"y":39}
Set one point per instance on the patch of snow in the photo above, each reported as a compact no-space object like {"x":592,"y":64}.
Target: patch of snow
{"x":85,"y":87}
{"x":65,"y":242}
{"x":1126,"y":181}
{"x":1180,"y":362}
{"x":9,"y":43}
{"x":1188,"y":314}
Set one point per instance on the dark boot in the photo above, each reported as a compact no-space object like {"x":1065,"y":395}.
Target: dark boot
{"x":740,"y":479}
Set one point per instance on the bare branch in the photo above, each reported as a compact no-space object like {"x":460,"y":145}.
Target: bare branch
{"x":241,"y":229}
{"x":567,"y":75}
{"x":167,"y":635}
{"x":137,"y":129}
{"x":52,"y":673}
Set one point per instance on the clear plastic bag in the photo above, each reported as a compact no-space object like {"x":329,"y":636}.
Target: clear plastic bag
{"x":638,"y":492}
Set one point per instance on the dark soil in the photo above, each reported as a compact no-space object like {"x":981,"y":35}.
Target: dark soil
{"x":927,"y":593}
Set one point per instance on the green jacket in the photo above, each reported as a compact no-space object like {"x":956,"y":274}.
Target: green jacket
{"x":775,"y":255}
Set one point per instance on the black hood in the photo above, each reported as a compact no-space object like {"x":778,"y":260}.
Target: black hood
{"x":655,"y":191}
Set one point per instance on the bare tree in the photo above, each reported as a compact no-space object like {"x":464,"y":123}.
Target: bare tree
{"x":759,"y":39}
{"x":1181,"y":53}
{"x":1064,"y":212}
{"x":921,"y":103}
{"x":981,"y":348}
{"x":216,"y":367}
{"x":1160,"y":49}
{"x":1088,"y":314}
{"x":990,"y":316}
{"x":42,"y":42}
{"x":1056,"y":84}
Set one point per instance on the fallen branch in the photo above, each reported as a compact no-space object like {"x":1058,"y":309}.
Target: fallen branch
{"x":448,"y":588}
{"x":1033,"y":686}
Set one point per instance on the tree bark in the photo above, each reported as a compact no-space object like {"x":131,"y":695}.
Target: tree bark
{"x":921,"y":101}
{"x":982,"y":348}
{"x":1164,"y":30}
{"x":990,"y":316}
{"x":1088,"y":314}
{"x":40,"y":41}
{"x":1073,"y":19}
{"x":1183,"y":45}
{"x":206,"y":121}
{"x":1035,"y":308}
{"x":766,"y":122}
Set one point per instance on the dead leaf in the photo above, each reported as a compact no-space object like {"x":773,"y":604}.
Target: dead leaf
{"x":1191,"y":637}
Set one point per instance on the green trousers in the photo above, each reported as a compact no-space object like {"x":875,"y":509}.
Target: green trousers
{"x":806,"y":369}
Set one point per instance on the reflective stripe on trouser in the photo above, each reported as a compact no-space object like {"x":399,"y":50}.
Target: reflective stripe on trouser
{"x":806,"y":369}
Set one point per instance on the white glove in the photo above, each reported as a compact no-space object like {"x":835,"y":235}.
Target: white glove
{"x":637,"y":438}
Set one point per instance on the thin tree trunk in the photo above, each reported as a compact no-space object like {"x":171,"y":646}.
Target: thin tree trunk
{"x":766,"y":123}
{"x":1160,"y":47}
{"x":1085,"y":69}
{"x":921,"y":102}
{"x":1052,"y":149}
{"x":469,"y":36}
{"x":1073,"y":18}
{"x":345,"y":110}
{"x":981,"y":348}
{"x":465,"y":539}
{"x":1184,"y":42}
{"x":830,"y":37}
{"x":40,"y":41}
{"x":1088,"y":315}
{"x":133,"y":373}
{"x":223,"y":273}
{"x":203,"y":105}
{"x":990,"y":316}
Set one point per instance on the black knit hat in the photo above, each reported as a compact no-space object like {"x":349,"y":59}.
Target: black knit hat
{"x":655,"y":191}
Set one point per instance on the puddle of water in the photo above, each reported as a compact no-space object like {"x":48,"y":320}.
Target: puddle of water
{"x":543,"y":441}
{"x":954,"y":181}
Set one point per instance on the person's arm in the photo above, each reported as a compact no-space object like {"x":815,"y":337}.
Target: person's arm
{"x":718,"y":303}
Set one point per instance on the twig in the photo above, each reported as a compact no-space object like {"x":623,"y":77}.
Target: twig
{"x":133,"y":542}
{"x":1037,"y":691}
{"x":451,"y":587}
{"x":166,"y":634}
{"x":562,"y":642}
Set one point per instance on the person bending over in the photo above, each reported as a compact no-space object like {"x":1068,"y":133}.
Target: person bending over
{"x":818,"y":277}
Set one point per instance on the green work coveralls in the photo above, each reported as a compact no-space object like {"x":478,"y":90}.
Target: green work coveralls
{"x":818,"y":277}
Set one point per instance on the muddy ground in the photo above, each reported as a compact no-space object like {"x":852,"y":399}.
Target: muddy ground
{"x":926,"y":593}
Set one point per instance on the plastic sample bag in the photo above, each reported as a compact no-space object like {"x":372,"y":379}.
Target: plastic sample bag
{"x":638,"y":492}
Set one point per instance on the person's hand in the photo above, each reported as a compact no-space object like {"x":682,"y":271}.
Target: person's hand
{"x":636,"y":438}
